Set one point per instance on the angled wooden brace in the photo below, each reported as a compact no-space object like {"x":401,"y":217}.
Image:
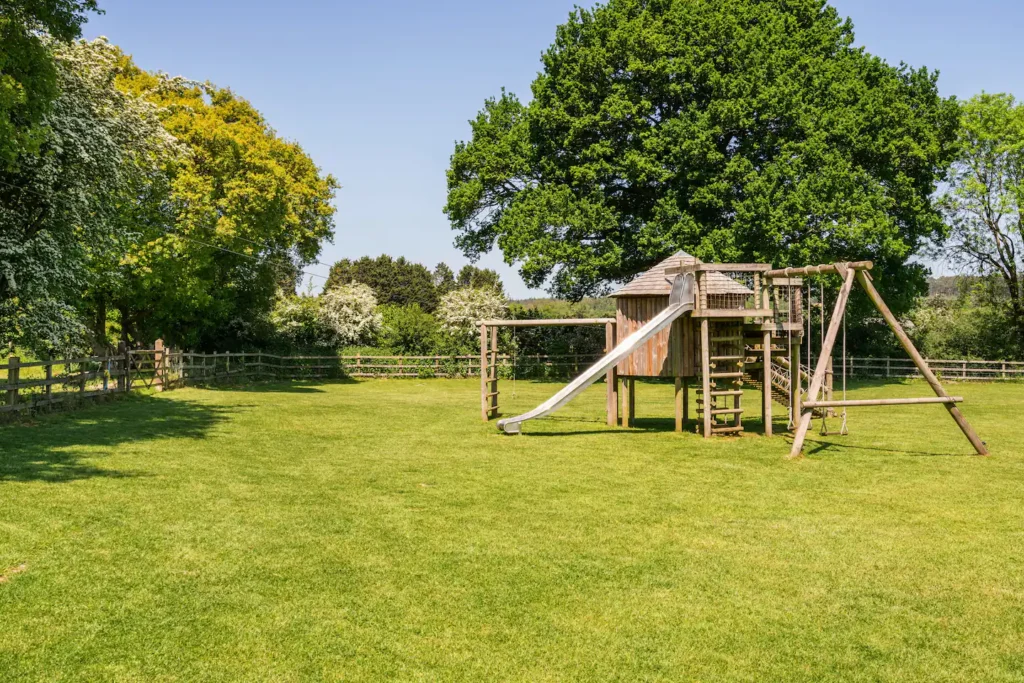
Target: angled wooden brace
{"x":826,"y":352}
{"x":926,"y":372}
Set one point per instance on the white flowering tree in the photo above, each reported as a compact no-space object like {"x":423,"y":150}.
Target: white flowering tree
{"x":350,"y":313}
{"x":462,"y":309}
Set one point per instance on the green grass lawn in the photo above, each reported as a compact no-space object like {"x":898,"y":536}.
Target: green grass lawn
{"x":380,"y":531}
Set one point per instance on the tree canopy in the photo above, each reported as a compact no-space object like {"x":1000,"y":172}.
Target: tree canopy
{"x":69,"y":211}
{"x":734,"y":129}
{"x":28,"y":78}
{"x":247,"y":210}
{"x":984,"y":198}
{"x":393,"y":280}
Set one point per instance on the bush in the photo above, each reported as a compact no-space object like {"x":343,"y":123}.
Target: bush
{"x":461,"y":310}
{"x":297,"y":320}
{"x":350,"y":313}
{"x":408,"y":330}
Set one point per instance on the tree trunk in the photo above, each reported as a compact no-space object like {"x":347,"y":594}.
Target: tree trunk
{"x":99,"y":330}
{"x":1016,"y":312}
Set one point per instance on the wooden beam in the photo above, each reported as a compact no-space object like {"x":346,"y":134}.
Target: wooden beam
{"x":824,"y":269}
{"x":679,"y":404}
{"x":483,"y":373}
{"x":570,"y":322}
{"x":612,"y":378}
{"x":766,"y":389}
{"x":705,"y":352}
{"x":884,"y":402}
{"x":922,"y":366}
{"x":738,"y":313}
{"x":826,"y":352}
{"x":720,"y":268}
{"x":494,"y":372}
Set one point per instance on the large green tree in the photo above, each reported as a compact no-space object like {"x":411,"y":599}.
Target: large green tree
{"x":28,"y":77}
{"x":395,"y":281}
{"x":248,"y":209}
{"x":735,"y":129}
{"x":68,"y":212}
{"x":984,"y":198}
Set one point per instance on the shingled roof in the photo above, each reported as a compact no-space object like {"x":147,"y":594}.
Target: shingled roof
{"x":655,"y":282}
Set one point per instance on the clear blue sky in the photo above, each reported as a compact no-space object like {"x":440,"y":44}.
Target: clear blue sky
{"x":378,"y":92}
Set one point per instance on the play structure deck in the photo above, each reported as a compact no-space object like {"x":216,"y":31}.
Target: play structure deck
{"x":724,"y":326}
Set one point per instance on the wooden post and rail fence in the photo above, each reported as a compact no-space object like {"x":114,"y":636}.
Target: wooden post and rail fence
{"x":32,"y":385}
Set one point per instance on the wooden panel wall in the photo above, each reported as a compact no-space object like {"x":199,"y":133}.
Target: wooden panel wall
{"x":671,"y":353}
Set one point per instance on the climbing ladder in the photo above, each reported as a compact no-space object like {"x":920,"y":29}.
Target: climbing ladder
{"x":719,"y":399}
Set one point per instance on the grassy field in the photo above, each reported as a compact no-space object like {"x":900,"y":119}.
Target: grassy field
{"x":380,"y":531}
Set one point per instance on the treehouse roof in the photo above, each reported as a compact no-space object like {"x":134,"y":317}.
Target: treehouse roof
{"x":655,"y":282}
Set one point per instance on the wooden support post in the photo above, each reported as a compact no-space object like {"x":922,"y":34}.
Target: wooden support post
{"x":612,"y":379}
{"x":679,"y":404}
{"x":483,"y":373}
{"x":494,"y":371}
{"x":632,"y":409}
{"x":13,"y":378}
{"x":624,"y":394}
{"x":826,"y":351}
{"x":766,"y":389}
{"x":795,"y":382}
{"x":686,"y":400}
{"x":922,"y":366}
{"x":705,"y":352}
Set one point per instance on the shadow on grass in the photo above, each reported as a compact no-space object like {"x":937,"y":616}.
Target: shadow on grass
{"x":812,"y":447}
{"x":50,"y":450}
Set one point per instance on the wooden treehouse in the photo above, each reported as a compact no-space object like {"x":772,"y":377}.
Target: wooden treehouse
{"x":741,"y":322}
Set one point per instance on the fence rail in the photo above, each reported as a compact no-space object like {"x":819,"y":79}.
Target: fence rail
{"x":43,"y":384}
{"x":956,"y":370}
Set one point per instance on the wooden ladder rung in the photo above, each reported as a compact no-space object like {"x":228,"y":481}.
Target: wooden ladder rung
{"x":725,"y":339}
{"x":726,"y":375}
{"x":722,"y":411}
{"x":492,"y":394}
{"x":726,"y":430}
{"x":727,"y":358}
{"x":723,"y":392}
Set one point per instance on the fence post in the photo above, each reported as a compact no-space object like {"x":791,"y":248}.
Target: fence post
{"x":127,"y":368}
{"x":359,"y":364}
{"x":158,"y":357}
{"x":83,"y":372}
{"x":49,"y":383}
{"x":888,"y":367}
{"x":1002,"y":373}
{"x":964,"y":371}
{"x":106,"y":373}
{"x":13,"y":377}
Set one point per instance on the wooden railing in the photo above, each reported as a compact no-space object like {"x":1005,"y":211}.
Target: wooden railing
{"x":956,"y":370}
{"x":43,"y":384}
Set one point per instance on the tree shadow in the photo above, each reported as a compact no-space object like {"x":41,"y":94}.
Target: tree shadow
{"x":55,"y":448}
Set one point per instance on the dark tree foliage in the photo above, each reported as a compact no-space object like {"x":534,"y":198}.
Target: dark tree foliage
{"x":480,"y":278}
{"x":28,"y":79}
{"x":444,"y":279}
{"x":393,"y":281}
{"x":739,"y":130}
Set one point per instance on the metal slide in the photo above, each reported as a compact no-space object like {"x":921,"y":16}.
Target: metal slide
{"x":680,"y":303}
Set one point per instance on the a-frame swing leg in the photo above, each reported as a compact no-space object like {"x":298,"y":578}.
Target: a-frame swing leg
{"x":926,"y":372}
{"x":818,"y":379}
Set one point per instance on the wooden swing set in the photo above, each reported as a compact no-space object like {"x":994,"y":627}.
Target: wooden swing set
{"x":850,"y":272}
